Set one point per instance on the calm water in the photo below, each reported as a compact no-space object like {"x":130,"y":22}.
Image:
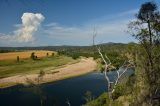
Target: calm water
{"x":56,"y":93}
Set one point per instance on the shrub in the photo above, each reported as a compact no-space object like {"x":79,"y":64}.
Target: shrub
{"x":47,"y":54}
{"x":74,"y":56}
{"x":119,"y":91}
{"x":52,"y":54}
{"x":40,"y":76}
{"x":103,"y":100}
{"x":17,"y":58}
{"x":41,"y":73}
{"x":33,"y":56}
{"x":88,"y":96}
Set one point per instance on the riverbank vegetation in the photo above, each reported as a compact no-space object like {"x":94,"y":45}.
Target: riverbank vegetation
{"x":30,"y":66}
{"x":143,"y":87}
{"x":115,"y":51}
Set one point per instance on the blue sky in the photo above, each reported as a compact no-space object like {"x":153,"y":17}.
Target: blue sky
{"x":65,"y":22}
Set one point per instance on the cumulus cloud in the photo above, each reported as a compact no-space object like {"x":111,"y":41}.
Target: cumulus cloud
{"x":25,"y":31}
{"x":109,"y":29}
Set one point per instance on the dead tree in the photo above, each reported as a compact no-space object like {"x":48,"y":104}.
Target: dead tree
{"x":69,"y":104}
{"x":126,"y":65}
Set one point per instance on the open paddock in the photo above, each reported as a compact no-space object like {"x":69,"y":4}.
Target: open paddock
{"x":24,"y":54}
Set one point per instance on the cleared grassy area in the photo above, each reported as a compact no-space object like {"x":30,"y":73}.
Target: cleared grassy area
{"x":25,"y":66}
{"x":25,"y":54}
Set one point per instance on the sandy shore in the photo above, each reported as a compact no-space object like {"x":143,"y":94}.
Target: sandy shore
{"x":70,"y":70}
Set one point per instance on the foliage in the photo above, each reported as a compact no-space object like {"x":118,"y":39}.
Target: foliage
{"x":53,"y":54}
{"x":88,"y":96}
{"x":17,"y":58}
{"x":47,"y":54}
{"x":122,"y":90}
{"x":113,"y":51}
{"x":33,"y":56}
{"x":103,"y":100}
{"x":41,"y":73}
{"x":6,"y":50}
{"x":146,"y":29}
{"x":100,"y":65}
{"x":40,"y":76}
{"x":119,"y":91}
{"x":11,"y":67}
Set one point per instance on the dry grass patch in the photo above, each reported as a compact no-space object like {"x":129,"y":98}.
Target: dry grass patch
{"x":24,"y":54}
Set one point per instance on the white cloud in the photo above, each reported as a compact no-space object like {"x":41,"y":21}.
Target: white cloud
{"x":25,"y":31}
{"x":111,"y":30}
{"x":60,"y":31}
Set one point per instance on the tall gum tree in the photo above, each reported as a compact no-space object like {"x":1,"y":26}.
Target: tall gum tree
{"x":146,"y":29}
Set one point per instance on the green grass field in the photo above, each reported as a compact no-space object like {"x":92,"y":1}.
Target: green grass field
{"x":25,"y":66}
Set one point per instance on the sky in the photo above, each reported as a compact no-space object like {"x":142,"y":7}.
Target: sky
{"x":66,"y":22}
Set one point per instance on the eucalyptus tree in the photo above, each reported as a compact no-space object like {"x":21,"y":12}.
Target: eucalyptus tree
{"x":146,"y":29}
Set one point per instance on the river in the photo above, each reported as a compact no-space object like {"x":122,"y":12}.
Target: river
{"x":56,"y":93}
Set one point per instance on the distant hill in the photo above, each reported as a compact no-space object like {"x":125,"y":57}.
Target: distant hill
{"x":106,"y":46}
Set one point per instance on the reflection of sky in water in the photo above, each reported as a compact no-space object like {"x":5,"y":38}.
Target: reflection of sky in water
{"x":113,"y":74}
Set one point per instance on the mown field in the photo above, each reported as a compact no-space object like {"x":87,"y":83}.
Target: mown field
{"x":9,"y":66}
{"x":24,"y":54}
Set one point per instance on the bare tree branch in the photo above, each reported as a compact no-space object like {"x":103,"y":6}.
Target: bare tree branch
{"x":108,"y":63}
{"x":69,"y":104}
{"x":119,"y":75}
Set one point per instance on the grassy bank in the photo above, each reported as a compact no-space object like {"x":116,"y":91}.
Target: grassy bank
{"x":27,"y":66}
{"x":62,"y":67}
